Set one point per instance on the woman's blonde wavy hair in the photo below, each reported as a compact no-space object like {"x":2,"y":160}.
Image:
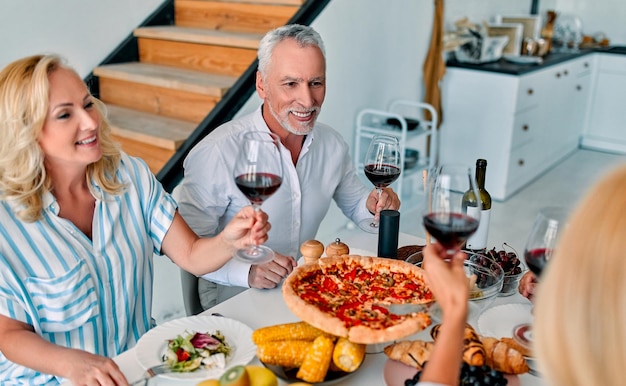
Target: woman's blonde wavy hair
{"x":580,"y":311}
{"x":24,"y":103}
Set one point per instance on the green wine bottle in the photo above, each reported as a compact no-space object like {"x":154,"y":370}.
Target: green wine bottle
{"x":478,"y":241}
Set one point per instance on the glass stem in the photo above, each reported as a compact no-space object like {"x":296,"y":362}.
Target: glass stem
{"x":374,"y":223}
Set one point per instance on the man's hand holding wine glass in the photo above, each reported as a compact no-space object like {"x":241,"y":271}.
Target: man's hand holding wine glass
{"x":388,"y":199}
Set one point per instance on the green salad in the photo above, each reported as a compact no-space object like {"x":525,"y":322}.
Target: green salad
{"x":191,"y":351}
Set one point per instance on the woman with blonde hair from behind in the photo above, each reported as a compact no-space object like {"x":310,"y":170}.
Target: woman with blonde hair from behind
{"x":580,"y":306}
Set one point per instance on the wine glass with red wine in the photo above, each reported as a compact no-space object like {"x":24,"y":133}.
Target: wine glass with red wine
{"x":542,"y":239}
{"x":382,"y":168}
{"x":539,"y":249}
{"x":446,"y":216}
{"x":258,"y":174}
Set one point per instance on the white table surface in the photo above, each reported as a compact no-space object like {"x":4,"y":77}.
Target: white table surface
{"x":259,"y":308}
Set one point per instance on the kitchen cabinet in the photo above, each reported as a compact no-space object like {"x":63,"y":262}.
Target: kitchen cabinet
{"x":405,"y":120}
{"x":521,"y":124}
{"x":607,"y":113}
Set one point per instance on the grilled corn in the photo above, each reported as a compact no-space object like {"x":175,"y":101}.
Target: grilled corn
{"x":287,"y":353}
{"x":288,"y":331}
{"x":347,"y":356}
{"x":317,"y":360}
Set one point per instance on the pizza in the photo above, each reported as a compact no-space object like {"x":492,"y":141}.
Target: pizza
{"x":345,"y":296}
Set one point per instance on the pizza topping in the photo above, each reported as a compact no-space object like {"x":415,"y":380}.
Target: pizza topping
{"x":351,"y":293}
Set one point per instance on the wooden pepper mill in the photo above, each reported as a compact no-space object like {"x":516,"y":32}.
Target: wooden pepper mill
{"x":337,"y":248}
{"x":311,"y":251}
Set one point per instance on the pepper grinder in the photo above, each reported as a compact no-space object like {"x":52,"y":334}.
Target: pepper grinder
{"x":337,"y":248}
{"x":311,"y":251}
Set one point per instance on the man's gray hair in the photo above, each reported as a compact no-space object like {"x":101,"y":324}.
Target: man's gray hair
{"x":304,"y":35}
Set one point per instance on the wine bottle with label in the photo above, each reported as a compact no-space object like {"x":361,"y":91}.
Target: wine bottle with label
{"x":478,"y":241}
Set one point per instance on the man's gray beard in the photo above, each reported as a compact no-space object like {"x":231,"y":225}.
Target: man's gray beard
{"x":287,"y":126}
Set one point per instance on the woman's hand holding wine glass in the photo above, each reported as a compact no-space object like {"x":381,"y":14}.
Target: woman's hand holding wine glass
{"x":539,"y":248}
{"x":382,"y":168}
{"x":258,"y":174}
{"x":446,"y":217}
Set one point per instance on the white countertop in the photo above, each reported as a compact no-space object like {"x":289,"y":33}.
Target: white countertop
{"x":258,"y":308}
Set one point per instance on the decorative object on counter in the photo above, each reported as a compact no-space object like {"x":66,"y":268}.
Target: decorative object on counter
{"x":388,"y":234}
{"x":547,"y":32}
{"x":568,"y":33}
{"x":311,"y":251}
{"x":514,"y":31}
{"x":531,"y":24}
{"x":337,"y":248}
{"x":481,"y":48}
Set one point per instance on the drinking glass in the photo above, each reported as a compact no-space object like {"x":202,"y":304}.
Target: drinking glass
{"x":382,"y":167}
{"x":446,"y":217}
{"x":539,"y":248}
{"x":543,"y":237}
{"x":258,"y":174}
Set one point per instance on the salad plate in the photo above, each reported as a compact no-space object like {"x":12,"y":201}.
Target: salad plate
{"x":152,"y":346}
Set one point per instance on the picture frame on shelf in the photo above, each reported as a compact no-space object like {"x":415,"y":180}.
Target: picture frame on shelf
{"x":531,"y":24}
{"x":514,"y":31}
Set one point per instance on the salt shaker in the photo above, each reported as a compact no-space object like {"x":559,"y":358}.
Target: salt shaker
{"x":311,"y":251}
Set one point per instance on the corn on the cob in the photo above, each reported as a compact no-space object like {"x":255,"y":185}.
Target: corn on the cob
{"x":287,"y":353}
{"x":293,"y":331}
{"x":317,"y":360}
{"x":348,"y":356}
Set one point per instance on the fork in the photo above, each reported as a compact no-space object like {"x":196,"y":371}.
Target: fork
{"x":151,"y":373}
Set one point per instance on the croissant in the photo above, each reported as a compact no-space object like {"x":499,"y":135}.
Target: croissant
{"x":473,"y":351}
{"x":522,"y":349}
{"x":504,"y":358}
{"x":410,"y":352}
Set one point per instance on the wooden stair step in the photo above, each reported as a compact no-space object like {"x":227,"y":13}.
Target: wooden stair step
{"x":168,"y":77}
{"x":271,"y":2}
{"x":232,"y":16}
{"x":201,"y":36}
{"x":155,"y":130}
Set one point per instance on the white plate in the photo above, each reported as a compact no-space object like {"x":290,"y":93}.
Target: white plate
{"x":499,"y":321}
{"x":153,"y":344}
{"x":521,"y":59}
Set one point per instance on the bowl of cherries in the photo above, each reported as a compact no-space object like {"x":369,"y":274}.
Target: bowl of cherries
{"x":512,"y":267}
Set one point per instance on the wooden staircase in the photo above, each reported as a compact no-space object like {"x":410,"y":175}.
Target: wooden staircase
{"x":184,"y":69}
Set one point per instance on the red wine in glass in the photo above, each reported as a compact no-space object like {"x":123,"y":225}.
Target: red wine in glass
{"x":446,"y":216}
{"x":258,"y":174}
{"x":382,"y":175}
{"x":536,"y":259}
{"x":257,"y":187}
{"x":381,"y":167}
{"x":450,"y":229}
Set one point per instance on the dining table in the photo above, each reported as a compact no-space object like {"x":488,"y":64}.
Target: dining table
{"x":265,"y":307}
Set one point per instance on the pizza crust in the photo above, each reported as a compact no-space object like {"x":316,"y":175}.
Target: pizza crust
{"x":333,"y":325}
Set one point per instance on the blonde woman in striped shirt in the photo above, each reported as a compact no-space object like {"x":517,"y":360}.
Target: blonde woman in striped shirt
{"x":79,"y":223}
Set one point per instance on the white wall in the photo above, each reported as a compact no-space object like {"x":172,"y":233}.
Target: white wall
{"x":83,"y":31}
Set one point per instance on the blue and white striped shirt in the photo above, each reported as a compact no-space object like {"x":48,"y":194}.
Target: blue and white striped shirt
{"x":94,"y":295}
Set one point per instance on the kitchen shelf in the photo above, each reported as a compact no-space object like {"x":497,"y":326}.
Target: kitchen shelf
{"x":371,"y":122}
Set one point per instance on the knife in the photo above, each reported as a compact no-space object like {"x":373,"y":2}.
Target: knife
{"x":407,"y":308}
